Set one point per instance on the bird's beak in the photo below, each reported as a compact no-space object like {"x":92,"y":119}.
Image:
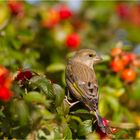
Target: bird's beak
{"x":97,"y":59}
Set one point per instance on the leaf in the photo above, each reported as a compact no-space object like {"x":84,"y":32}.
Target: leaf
{"x":92,"y":136}
{"x":82,"y":111}
{"x":122,"y":134}
{"x":63,"y":78}
{"x":103,"y":108}
{"x":105,"y":58}
{"x":55,"y":67}
{"x":85,"y":128}
{"x":113,"y":91}
{"x":4,"y":16}
{"x":64,"y":108}
{"x":20,"y":111}
{"x":46,"y":114}
{"x":36,"y":97}
{"x":41,"y":135}
{"x":26,"y":35}
{"x":113,"y":102}
{"x":57,"y":134}
{"x":67,"y":132}
{"x":2,"y":114}
{"x":16,"y":43}
{"x":134,"y":91}
{"x":59,"y":94}
{"x":117,"y":116}
{"x":44,"y":85}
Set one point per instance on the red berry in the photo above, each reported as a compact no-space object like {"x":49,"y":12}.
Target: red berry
{"x":105,"y":122}
{"x":101,"y":134}
{"x":125,"y":58}
{"x":117,"y":65}
{"x":114,"y":130}
{"x":65,"y":12}
{"x":8,"y":81}
{"x":4,"y":73}
{"x":99,"y":131}
{"x":131,"y":56}
{"x":73,"y":41}
{"x":122,"y":10}
{"x":2,"y":79}
{"x":22,"y":76}
{"x":128,"y":75}
{"x":136,"y":63}
{"x":16,"y":7}
{"x":52,"y":18}
{"x":5,"y":94}
{"x":116,"y":52}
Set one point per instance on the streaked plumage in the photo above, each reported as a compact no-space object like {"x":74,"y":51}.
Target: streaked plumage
{"x":81,"y":80}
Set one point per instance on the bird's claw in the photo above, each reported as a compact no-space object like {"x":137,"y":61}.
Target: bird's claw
{"x":71,"y":104}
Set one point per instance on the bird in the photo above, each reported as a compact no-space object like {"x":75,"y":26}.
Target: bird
{"x":81,"y":81}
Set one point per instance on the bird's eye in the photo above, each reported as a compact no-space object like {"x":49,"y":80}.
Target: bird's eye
{"x":91,"y":55}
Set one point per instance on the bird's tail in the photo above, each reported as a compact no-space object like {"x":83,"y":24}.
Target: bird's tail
{"x":105,"y":129}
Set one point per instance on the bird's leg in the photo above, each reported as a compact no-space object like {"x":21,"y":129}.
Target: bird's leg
{"x":67,"y":93}
{"x":71,"y":104}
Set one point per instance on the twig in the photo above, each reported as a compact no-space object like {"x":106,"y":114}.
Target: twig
{"x":124,"y":125}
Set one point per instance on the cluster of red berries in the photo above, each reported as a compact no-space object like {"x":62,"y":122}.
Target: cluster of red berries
{"x":23,"y":76}
{"x":55,"y":15}
{"x":16,"y":7}
{"x":125,"y":64}
{"x":129,"y":13}
{"x":5,"y":84}
{"x":52,"y":17}
{"x":104,"y":135}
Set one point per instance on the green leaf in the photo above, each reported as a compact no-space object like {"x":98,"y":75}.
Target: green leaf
{"x":113,"y":102}
{"x":4,"y":15}
{"x":103,"y":107}
{"x":117,"y":116}
{"x":67,"y":134}
{"x":82,"y":111}
{"x":20,"y":111}
{"x":59,"y":94}
{"x":121,"y":134}
{"x":113,"y":91}
{"x":2,"y":114}
{"x":36,"y":97}
{"x":47,"y":114}
{"x":56,"y":67}
{"x":105,"y":58}
{"x":16,"y":43}
{"x":44,"y":85}
{"x":25,"y":35}
{"x":134,"y":91}
{"x":57,"y":134}
{"x":85,"y":128}
{"x":92,"y":136}
{"x":64,"y":108}
{"x":41,"y":135}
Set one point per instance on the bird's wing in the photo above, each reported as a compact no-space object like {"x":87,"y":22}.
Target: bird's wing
{"x":83,"y":80}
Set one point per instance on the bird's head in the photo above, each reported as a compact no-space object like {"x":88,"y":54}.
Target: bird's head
{"x":87,"y":56}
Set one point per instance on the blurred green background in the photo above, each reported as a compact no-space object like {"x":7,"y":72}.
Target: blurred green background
{"x":36,"y":40}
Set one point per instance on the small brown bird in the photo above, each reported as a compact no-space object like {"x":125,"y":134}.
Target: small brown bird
{"x":81,"y":81}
